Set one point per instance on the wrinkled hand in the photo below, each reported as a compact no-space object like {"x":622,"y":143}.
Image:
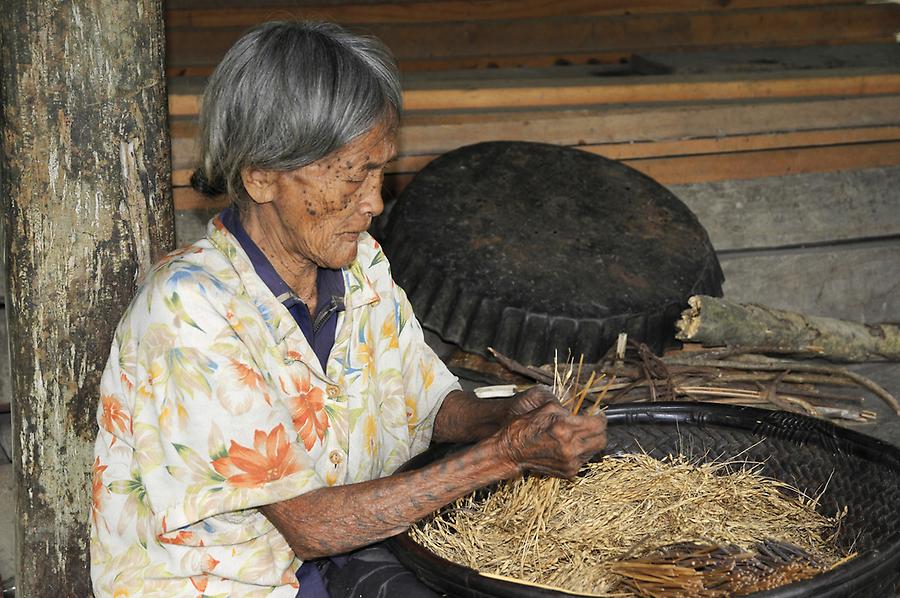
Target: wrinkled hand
{"x":553,"y":443}
{"x":529,"y":400}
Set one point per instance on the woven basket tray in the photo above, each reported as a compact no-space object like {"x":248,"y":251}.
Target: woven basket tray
{"x":857,"y":471}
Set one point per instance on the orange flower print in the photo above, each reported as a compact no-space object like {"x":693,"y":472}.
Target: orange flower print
{"x":307,"y":411}
{"x":180,"y":538}
{"x":271,"y":458}
{"x":113,"y":416}
{"x":97,"y":487}
{"x":200,"y":582}
{"x":209,"y":563}
{"x":247,"y":375}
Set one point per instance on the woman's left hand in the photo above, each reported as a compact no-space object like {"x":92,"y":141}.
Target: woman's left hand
{"x":531,"y":399}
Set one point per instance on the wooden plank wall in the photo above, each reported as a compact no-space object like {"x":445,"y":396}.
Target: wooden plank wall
{"x":452,"y":34}
{"x":777,"y":121}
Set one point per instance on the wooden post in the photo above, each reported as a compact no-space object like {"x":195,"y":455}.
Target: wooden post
{"x":86,"y":208}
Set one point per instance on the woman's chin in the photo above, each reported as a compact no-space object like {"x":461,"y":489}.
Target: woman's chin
{"x":344,"y":258}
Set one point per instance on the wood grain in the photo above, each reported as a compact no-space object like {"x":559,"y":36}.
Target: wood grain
{"x":456,"y":10}
{"x":474,"y":39}
{"x":184,"y":99}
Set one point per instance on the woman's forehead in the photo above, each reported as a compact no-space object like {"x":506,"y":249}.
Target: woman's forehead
{"x":374,"y":147}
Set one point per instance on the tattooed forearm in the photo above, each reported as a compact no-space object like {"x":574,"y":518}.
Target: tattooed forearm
{"x":532,"y":431}
{"x":334,"y":520}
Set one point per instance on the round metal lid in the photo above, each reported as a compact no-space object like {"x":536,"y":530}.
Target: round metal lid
{"x":535,"y":249}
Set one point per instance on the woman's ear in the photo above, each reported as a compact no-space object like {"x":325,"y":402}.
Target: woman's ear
{"x":259,"y":184}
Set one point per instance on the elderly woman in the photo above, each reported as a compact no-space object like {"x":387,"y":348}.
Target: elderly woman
{"x":267,"y":381}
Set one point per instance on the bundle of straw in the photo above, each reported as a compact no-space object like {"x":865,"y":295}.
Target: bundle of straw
{"x":580,"y":536}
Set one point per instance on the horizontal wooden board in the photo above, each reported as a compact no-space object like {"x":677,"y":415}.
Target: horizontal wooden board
{"x":853,"y":282}
{"x":435,"y":133}
{"x":624,"y":61}
{"x":416,"y":65}
{"x":184,"y":96}
{"x":191,"y":46}
{"x":676,"y":170}
{"x":431,"y":133}
{"x":797,"y":209}
{"x":661,"y":88}
{"x":777,"y":59}
{"x":458,"y":10}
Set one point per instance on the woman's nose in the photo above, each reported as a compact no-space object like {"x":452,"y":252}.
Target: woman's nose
{"x":371,"y":201}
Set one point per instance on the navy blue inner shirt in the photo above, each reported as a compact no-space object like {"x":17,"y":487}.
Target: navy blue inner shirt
{"x":319,"y":332}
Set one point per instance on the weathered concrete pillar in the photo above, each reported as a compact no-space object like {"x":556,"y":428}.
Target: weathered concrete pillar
{"x":86,"y":208}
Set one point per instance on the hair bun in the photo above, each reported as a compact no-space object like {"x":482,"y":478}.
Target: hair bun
{"x":209,"y":188}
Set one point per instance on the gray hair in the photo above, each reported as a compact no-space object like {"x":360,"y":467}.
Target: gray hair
{"x":287,"y":94}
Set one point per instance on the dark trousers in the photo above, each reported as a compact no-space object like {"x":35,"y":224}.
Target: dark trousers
{"x":372,"y":572}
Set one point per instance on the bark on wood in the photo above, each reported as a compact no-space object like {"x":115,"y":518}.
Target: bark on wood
{"x":87,"y":207}
{"x":714,"y":322}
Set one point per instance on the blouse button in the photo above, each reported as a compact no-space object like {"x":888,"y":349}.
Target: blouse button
{"x":332,"y":390}
{"x":336,"y":457}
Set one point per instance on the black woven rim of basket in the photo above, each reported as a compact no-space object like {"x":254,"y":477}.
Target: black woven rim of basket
{"x":861,"y":473}
{"x":536,"y":250}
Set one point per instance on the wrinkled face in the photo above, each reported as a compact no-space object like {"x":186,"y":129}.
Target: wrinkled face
{"x":324,"y":206}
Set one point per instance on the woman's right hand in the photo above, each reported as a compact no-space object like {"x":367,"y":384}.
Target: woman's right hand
{"x":551,"y":441}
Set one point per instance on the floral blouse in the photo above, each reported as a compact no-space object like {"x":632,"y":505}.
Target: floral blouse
{"x":213,"y":403}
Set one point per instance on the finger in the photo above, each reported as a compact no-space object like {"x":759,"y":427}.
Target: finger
{"x":588,"y":423}
{"x":594,"y":444}
{"x":544,"y":393}
{"x":557,"y":407}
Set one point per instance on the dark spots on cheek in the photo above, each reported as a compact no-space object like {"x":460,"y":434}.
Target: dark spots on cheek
{"x":310,"y":208}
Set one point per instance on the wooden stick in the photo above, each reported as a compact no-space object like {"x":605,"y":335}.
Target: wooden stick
{"x":514,"y":366}
{"x":772,"y":365}
{"x":717,"y":321}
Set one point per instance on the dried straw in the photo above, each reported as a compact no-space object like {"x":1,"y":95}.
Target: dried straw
{"x":635,"y":525}
{"x":582,"y":535}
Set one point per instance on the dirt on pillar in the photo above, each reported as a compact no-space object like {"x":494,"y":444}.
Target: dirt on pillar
{"x":86,"y":208}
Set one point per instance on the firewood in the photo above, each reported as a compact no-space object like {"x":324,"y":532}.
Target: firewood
{"x":714,"y":321}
